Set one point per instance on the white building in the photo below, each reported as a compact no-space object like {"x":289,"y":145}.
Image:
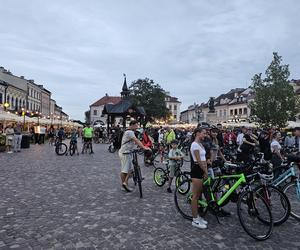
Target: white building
{"x":173,"y":105}
{"x":97,"y":107}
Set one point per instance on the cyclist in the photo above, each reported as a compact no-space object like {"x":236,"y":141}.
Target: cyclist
{"x":175,"y":155}
{"x":61,"y":134}
{"x":198,"y":173}
{"x":87,"y":134}
{"x":127,"y":144}
{"x":169,"y":136}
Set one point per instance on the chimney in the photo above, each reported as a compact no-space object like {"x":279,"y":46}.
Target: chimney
{"x":106,"y":94}
{"x":22,"y":77}
{"x":31,"y":81}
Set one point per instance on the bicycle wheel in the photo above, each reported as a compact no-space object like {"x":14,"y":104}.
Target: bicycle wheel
{"x":183,"y":202}
{"x":160,"y":177}
{"x":181,"y":183}
{"x":72,"y":149}
{"x":292,"y":191}
{"x":255,"y":215}
{"x":138,"y":176}
{"x":61,"y":148}
{"x":277,"y":201}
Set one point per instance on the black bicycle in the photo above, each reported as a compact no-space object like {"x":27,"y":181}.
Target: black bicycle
{"x":136,"y":174}
{"x":87,"y":147}
{"x":60,"y":147}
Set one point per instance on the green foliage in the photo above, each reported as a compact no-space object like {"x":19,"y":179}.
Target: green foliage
{"x":146,"y":93}
{"x":2,"y":140}
{"x":275,"y":101}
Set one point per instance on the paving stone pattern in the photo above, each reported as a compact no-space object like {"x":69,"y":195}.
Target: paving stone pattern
{"x":64,"y":202}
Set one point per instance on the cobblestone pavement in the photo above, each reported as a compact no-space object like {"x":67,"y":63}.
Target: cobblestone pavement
{"x":63,"y":202}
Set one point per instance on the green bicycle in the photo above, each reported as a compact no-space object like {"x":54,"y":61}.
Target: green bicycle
{"x":253,"y":211}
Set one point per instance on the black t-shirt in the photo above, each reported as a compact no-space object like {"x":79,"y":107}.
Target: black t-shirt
{"x":245,"y":147}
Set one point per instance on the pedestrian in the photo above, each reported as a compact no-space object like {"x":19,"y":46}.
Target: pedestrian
{"x":17,"y":137}
{"x":9,"y":132}
{"x":289,"y":140}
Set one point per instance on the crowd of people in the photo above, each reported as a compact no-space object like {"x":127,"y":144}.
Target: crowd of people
{"x":207,"y":146}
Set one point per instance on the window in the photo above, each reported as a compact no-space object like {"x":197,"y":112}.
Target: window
{"x":17,"y":102}
{"x":231,"y":112}
{"x":95,"y":112}
{"x":175,"y":116}
{"x":235,"y":111}
{"x":224,"y":112}
{"x":170,"y":107}
{"x":31,"y":93}
{"x":31,"y":106}
{"x":245,"y":111}
{"x":12,"y":101}
{"x":240,"y":111}
{"x":1,"y":96}
{"x":175,"y":107}
{"x":7,"y":98}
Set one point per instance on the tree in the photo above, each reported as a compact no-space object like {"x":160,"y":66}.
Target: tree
{"x":275,"y":101}
{"x":145,"y":93}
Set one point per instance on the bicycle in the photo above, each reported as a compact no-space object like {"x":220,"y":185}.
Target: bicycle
{"x":136,"y":174}
{"x":60,"y":147}
{"x":161,"y":176}
{"x":72,"y":148}
{"x":288,"y":181}
{"x":250,"y":203}
{"x":87,"y":147}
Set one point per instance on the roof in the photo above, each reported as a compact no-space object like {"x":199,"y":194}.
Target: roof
{"x":123,"y":107}
{"x":172,"y":99}
{"x":107,"y":100}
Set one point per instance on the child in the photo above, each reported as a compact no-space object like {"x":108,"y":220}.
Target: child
{"x":74,"y":140}
{"x":175,"y":155}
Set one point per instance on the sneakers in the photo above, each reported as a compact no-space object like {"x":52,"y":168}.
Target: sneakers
{"x":169,"y":190}
{"x":201,"y":220}
{"x":127,"y":189}
{"x":198,"y":224}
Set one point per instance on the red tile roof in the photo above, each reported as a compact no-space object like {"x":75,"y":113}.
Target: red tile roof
{"x":107,"y":100}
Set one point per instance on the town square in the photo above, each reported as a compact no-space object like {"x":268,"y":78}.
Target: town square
{"x":149,"y":125}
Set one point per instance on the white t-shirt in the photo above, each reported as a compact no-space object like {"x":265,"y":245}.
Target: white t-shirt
{"x":275,"y":145}
{"x":239,"y":139}
{"x":200,"y":148}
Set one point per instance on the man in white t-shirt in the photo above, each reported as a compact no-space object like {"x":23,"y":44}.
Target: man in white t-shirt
{"x":128,"y":143}
{"x":240,"y":137}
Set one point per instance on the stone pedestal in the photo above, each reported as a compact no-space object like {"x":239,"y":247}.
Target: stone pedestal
{"x":211,"y":118}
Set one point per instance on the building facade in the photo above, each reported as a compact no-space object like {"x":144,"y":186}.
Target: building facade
{"x":97,"y":107}
{"x":173,"y":105}
{"x":20,"y":93}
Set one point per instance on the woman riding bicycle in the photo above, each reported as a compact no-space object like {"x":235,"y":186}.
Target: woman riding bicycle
{"x":198,"y":173}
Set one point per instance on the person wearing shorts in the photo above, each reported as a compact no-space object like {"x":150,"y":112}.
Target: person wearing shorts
{"x":175,"y":155}
{"x":198,"y":173}
{"x":127,"y":145}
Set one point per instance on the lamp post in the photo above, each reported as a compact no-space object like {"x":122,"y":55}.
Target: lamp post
{"x":23,"y":114}
{"x":6,"y":104}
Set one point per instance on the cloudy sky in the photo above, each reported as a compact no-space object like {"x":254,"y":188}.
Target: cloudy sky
{"x":195,"y":49}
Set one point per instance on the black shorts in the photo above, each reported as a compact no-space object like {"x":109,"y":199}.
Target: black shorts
{"x":197,"y":172}
{"x":87,"y":139}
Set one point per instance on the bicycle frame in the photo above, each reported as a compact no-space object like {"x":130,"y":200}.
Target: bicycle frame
{"x":240,"y":179}
{"x":283,"y":177}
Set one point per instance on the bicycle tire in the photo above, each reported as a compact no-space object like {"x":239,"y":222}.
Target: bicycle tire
{"x":294,"y":198}
{"x":280,"y":210}
{"x":266,"y":222}
{"x":179,"y":180}
{"x":160,"y":177}
{"x":61,"y":148}
{"x":72,"y":149}
{"x":138,"y":176}
{"x":183,"y":203}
